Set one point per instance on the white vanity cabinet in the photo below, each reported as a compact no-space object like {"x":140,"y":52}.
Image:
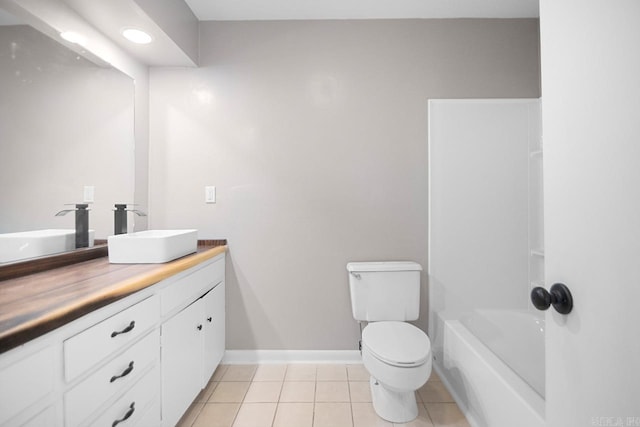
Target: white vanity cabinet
{"x":192,"y":339}
{"x":137,"y":362}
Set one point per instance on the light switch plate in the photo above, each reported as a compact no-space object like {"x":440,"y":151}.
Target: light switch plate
{"x":89,"y":193}
{"x":209,"y":194}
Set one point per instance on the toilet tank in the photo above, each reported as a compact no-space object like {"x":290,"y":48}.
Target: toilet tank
{"x":384,"y":290}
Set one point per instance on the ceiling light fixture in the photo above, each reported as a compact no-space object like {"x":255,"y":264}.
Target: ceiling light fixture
{"x":73,"y":37}
{"x":136,"y":36}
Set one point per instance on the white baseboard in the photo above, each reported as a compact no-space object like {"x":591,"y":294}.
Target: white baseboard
{"x":234,"y":357}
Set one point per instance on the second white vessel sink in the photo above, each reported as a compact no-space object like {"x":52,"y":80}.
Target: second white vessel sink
{"x":151,"y":246}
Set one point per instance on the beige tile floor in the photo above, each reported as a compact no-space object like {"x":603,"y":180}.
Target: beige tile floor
{"x":305,"y":395}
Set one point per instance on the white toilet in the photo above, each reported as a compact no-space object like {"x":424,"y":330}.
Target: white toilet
{"x":396,"y":354}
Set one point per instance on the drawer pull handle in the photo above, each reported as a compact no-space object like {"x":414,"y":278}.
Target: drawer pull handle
{"x":126,"y":416}
{"x":209,"y":319}
{"x":125,"y":330}
{"x":124,"y":373}
{"x":199,"y":327}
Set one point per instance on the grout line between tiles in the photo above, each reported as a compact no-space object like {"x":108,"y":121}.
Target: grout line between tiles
{"x":315,"y":391}
{"x":353,"y":421}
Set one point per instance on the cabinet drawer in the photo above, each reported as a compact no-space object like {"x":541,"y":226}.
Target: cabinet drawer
{"x":183,"y":291}
{"x":26,"y":382}
{"x":117,"y":375}
{"x":151,"y":417}
{"x":92,"y":345}
{"x":131,"y":408}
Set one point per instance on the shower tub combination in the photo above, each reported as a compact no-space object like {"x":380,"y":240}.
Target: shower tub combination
{"x":493,"y":363}
{"x":486,"y":253}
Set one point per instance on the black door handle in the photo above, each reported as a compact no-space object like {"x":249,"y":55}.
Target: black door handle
{"x":130,"y":412}
{"x":125,"y":330}
{"x":559,"y":296}
{"x":124,"y":373}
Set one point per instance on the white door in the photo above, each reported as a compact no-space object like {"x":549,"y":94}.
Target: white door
{"x":590,"y":51}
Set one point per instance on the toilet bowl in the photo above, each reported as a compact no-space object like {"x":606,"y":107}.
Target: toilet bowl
{"x":397,"y":355}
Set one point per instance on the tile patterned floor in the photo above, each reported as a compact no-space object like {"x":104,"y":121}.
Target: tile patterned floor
{"x":305,"y":395}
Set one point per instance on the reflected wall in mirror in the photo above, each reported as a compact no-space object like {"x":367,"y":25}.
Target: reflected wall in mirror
{"x":65,"y":123}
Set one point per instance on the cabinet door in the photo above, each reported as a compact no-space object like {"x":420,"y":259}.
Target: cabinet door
{"x":181,"y":362}
{"x":214,"y":314}
{"x":26,"y":382}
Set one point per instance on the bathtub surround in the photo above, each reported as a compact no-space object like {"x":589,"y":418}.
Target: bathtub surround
{"x":315,"y":136}
{"x":484,"y":233}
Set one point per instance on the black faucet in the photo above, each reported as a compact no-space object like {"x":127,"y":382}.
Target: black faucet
{"x":120,"y":217}
{"x":82,"y":223}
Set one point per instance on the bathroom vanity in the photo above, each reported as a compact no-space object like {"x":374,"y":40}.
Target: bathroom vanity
{"x":109,"y":344}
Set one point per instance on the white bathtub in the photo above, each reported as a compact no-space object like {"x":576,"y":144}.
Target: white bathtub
{"x":516,"y":337}
{"x":491,"y":393}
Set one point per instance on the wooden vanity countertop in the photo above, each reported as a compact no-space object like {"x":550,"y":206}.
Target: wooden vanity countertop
{"x":31,"y":306}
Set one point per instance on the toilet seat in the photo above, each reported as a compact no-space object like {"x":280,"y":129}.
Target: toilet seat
{"x":397,"y":343}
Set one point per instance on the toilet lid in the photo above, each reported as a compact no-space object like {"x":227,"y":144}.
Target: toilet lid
{"x":397,"y":343}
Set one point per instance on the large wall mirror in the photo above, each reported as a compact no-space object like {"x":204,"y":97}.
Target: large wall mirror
{"x":66,"y":123}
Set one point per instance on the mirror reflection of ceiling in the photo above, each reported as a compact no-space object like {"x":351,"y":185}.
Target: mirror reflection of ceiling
{"x":65,"y":123}
{"x":8,"y":19}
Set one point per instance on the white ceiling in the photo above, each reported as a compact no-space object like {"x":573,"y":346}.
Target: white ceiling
{"x":234,"y":10}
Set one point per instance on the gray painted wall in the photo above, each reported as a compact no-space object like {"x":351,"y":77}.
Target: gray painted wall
{"x":315,"y":135}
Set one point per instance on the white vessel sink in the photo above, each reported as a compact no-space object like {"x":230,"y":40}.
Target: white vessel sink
{"x":151,"y":246}
{"x":31,"y":244}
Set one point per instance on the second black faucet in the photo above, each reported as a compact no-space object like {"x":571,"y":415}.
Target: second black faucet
{"x":120,"y":217}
